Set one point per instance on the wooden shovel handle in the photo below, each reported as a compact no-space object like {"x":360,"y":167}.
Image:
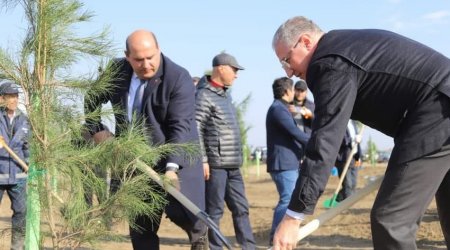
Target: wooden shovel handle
{"x":14,"y":155}
{"x":349,"y":160}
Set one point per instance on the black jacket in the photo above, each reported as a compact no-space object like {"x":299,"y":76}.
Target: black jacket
{"x":169,"y":111}
{"x":383,"y":80}
{"x":218,"y":126}
{"x":168,"y":107}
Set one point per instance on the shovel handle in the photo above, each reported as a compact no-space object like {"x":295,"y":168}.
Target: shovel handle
{"x":347,"y":163}
{"x":189,"y":205}
{"x":14,"y":155}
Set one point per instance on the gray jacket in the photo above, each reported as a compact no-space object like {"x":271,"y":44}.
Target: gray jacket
{"x":16,"y":137}
{"x":218,"y":126}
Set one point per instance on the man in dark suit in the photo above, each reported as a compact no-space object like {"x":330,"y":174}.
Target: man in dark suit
{"x":388,"y":82}
{"x":149,"y":85}
{"x":285,"y":144}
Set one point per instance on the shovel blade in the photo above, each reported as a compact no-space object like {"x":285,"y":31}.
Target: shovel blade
{"x":330,"y":203}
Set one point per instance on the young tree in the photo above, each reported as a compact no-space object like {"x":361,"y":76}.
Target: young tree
{"x":372,"y":151}
{"x":244,"y":128}
{"x":43,"y":70}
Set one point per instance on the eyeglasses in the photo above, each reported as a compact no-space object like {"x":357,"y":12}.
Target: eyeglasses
{"x":285,"y":62}
{"x":235,"y":70}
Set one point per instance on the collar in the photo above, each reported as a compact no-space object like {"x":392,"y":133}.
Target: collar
{"x":134,"y":76}
{"x":4,"y":112}
{"x":283,"y":101}
{"x":216,"y":84}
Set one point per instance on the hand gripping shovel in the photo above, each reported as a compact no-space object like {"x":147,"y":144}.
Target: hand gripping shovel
{"x":329,"y":203}
{"x":321,"y":219}
{"x":184,"y":201}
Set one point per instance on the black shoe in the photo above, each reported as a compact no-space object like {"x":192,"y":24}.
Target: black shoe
{"x":201,"y":244}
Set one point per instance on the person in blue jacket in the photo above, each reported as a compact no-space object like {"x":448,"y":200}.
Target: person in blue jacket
{"x":285,"y":144}
{"x":14,"y":130}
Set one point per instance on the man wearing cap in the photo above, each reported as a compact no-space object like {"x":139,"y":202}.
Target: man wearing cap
{"x":14,"y":129}
{"x":302,"y":108}
{"x":220,"y":139}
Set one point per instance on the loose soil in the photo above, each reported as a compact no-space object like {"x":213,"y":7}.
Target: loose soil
{"x":349,"y":230}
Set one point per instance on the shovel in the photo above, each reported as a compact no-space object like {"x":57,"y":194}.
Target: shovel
{"x":22,"y":164}
{"x":330,"y":203}
{"x":201,"y":215}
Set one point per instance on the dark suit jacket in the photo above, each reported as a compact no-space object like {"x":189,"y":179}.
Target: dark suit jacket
{"x":285,"y":141}
{"x":169,"y":113}
{"x":382,"y":79}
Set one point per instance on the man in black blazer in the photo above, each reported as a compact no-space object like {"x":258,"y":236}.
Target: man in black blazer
{"x":390,"y":83}
{"x":148,"y":84}
{"x":285,"y":144}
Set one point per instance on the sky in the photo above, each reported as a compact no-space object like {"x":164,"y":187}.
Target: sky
{"x":191,"y":33}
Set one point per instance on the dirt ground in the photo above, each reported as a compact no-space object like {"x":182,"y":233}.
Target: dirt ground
{"x":349,"y":230}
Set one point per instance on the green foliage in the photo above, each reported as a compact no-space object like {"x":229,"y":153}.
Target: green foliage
{"x":372,"y":152}
{"x":241,"y":108}
{"x":74,"y":170}
{"x":87,"y":165}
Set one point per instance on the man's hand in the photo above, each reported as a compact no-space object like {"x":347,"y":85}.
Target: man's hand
{"x":285,"y":237}
{"x":172,"y":177}
{"x":101,"y":136}
{"x":306,"y":113}
{"x":206,"y":170}
{"x":358,"y":138}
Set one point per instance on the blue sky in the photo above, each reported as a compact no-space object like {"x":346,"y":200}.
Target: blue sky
{"x":193,"y":32}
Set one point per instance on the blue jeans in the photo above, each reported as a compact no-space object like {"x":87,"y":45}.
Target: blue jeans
{"x":18,"y":197}
{"x":285,"y":183}
{"x":227,"y":185}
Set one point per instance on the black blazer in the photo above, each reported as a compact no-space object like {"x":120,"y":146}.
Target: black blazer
{"x":169,"y":113}
{"x":388,"y":82}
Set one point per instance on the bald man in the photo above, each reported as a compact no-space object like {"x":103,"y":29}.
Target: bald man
{"x":150,"y":86}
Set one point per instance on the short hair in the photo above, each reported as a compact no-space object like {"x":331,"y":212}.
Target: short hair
{"x":301,"y":85}
{"x":280,"y":86}
{"x":294,"y":27}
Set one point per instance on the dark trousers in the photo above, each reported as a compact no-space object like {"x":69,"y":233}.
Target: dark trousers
{"x":18,"y":197}
{"x":405,"y":194}
{"x":227,"y":185}
{"x":146,"y":236}
{"x":350,"y":179}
